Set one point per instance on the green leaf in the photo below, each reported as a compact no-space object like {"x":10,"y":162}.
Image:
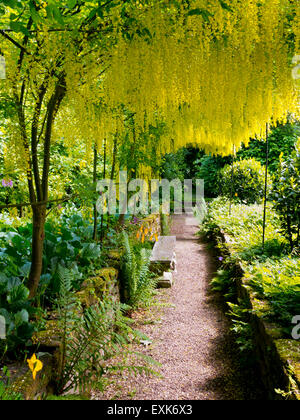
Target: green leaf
{"x":18,"y":294}
{"x":13,"y":4}
{"x":71,"y":4}
{"x":34,"y":14}
{"x":12,"y":283}
{"x":25,"y":270}
{"x":200,"y":12}
{"x":18,"y":27}
{"x":57,"y":15}
{"x":25,"y":331}
{"x":225,"y":6}
{"x":21,"y":317}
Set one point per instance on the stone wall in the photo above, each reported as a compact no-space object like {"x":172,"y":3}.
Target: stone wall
{"x":279,"y":358}
{"x":47,"y":343}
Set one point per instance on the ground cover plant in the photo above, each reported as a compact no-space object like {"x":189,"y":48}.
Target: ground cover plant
{"x":272,"y":271}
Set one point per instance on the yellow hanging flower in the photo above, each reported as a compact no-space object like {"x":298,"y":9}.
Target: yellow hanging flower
{"x":35,"y":365}
{"x":156,"y":237}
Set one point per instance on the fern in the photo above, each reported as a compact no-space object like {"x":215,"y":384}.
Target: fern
{"x":139,"y":281}
{"x":91,"y":340}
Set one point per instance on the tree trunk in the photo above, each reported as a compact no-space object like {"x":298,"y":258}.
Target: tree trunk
{"x":38,"y":237}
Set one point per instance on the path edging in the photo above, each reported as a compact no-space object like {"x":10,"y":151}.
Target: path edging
{"x":279,"y":358}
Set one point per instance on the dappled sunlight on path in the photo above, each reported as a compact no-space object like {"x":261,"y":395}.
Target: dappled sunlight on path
{"x":193,"y":342}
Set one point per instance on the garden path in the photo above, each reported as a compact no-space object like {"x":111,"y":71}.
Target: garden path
{"x":192,"y":340}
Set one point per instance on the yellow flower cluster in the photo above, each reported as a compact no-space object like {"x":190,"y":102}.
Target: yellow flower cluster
{"x":148,"y":231}
{"x":215,"y":76}
{"x":216,"y":80}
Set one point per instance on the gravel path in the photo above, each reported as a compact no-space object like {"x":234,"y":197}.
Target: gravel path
{"x":192,"y":342}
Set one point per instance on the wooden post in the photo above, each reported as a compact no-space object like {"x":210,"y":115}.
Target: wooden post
{"x":232,"y":174}
{"x":95,"y":233}
{"x":266,"y":187}
{"x":104,"y":176}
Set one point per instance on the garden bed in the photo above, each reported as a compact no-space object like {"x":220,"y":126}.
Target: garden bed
{"x":102,"y":285}
{"x":266,"y":283}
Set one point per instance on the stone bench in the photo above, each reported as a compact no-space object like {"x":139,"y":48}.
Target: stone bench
{"x":163,"y":259}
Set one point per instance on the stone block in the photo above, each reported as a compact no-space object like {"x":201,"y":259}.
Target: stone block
{"x":166,"y":281}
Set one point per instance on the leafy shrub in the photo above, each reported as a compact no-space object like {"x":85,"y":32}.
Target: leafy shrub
{"x":244,"y":225}
{"x":91,"y":340}
{"x":139,"y":283}
{"x":180,"y":165}
{"x":208,"y":169}
{"x":245,"y":181}
{"x":16,"y":309}
{"x":277,"y":281}
{"x":286,"y":196}
{"x":68,"y":243}
{"x":282,"y":140}
{"x":241,"y":327}
{"x":270,"y":271}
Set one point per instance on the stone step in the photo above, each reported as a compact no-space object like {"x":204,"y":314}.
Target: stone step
{"x":166,"y":281}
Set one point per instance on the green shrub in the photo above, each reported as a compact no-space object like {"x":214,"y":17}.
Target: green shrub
{"x":68,"y":243}
{"x":139,"y":283}
{"x":16,"y":310}
{"x":277,"y":281}
{"x":271,"y":272}
{"x":245,"y":181}
{"x":286,"y":196}
{"x":209,"y":168}
{"x":282,"y":139}
{"x":95,"y":341}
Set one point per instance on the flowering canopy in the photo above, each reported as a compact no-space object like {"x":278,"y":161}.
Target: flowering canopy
{"x":214,"y":72}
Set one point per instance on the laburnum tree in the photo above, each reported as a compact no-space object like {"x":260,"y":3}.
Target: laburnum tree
{"x":213,"y":72}
{"x":51,"y":48}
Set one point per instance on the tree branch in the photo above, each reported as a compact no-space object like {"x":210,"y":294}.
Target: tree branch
{"x":16,"y":44}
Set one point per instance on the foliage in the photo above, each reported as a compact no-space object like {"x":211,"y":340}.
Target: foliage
{"x":208,"y":169}
{"x":278,"y":282}
{"x":244,"y":225}
{"x":16,"y":309}
{"x":282,"y":139}
{"x":165,"y":224}
{"x":180,"y":164}
{"x":286,"y":196}
{"x":244,"y":181}
{"x":6,"y":393}
{"x":75,"y":69}
{"x":91,"y":339}
{"x":139,"y":283}
{"x":271,"y":272}
{"x":241,"y":327}
{"x":224,"y":282}
{"x":69,"y":397}
{"x":68,"y":243}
